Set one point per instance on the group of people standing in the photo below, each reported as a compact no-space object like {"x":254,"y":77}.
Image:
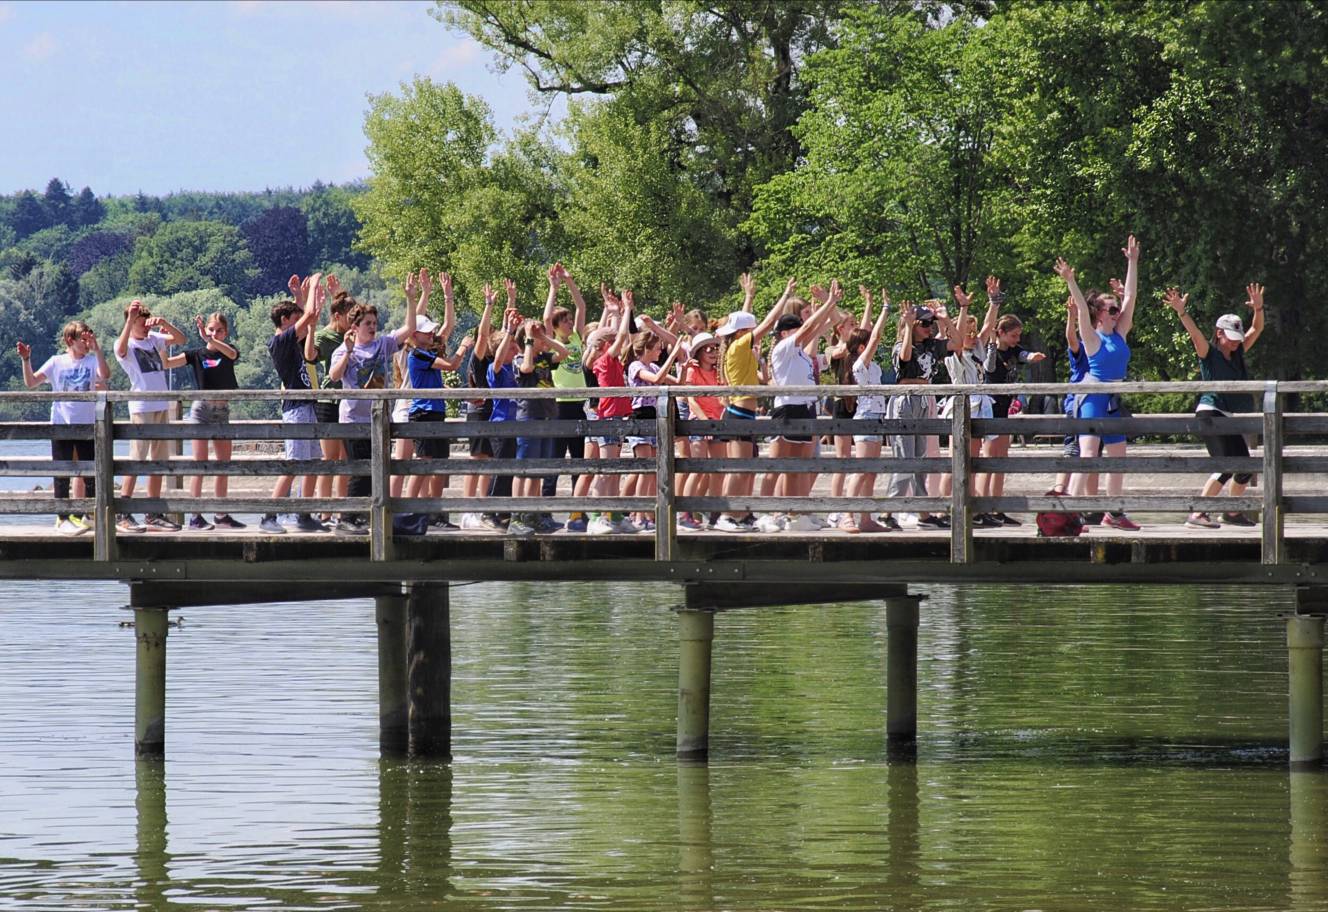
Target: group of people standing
{"x":796,"y":342}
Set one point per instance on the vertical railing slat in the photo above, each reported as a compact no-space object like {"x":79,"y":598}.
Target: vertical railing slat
{"x":380,"y":462}
{"x":666,"y":512}
{"x":961,"y":506}
{"x":1274,"y":544}
{"x":103,"y":446}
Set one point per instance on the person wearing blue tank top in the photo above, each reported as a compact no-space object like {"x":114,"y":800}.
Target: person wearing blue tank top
{"x":1104,"y":323}
{"x":1078,"y":359}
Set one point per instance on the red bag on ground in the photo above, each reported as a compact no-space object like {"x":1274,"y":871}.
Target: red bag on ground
{"x":1057,"y":524}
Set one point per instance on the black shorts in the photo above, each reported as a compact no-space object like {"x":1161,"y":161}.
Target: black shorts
{"x":431,"y":447}
{"x":480,"y":446}
{"x":326,"y":412}
{"x":790,"y":412}
{"x":733,"y":412}
{"x":1000,"y":406}
{"x":840,"y":408}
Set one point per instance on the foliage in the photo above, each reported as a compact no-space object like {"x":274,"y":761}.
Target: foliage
{"x":279,"y":242}
{"x":189,"y":256}
{"x":332,"y":228}
{"x":91,"y":249}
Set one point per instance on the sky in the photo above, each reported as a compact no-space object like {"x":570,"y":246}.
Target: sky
{"x":228,"y":95}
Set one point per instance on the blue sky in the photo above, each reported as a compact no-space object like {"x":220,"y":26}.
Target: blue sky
{"x":231,"y":95}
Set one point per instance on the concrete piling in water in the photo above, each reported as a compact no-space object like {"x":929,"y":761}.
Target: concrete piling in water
{"x":1305,"y":688}
{"x":393,"y":699}
{"x":901,"y":668}
{"x":696,"y":633}
{"x":429,"y":675}
{"x":150,"y":625}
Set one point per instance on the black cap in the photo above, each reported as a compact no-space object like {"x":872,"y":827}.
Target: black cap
{"x":787,"y":322}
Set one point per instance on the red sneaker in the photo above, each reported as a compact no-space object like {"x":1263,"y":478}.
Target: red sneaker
{"x":1119,"y":521}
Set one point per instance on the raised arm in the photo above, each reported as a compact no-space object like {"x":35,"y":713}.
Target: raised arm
{"x":216,"y":345}
{"x":1255,"y":303}
{"x":624,"y":336}
{"x":312,"y":289}
{"x":808,"y":332}
{"x":1086,"y":331}
{"x":169,"y":329}
{"x":483,"y":330}
{"x":748,"y":291}
{"x":103,"y":369}
{"x":866,"y":320}
{"x":449,"y":306}
{"x":25,"y":357}
{"x":458,"y":356}
{"x":771,"y":318}
{"x":578,"y":302}
{"x":874,"y":340}
{"x":1071,"y":326}
{"x":995,"y":298}
{"x":666,"y":335}
{"x":663,"y":375}
{"x":507,"y":342}
{"x":1126,"y":321}
{"x":1177,"y":301}
{"x":414,"y":306}
{"x":551,"y":300}
{"x":122,"y":340}
{"x":907,"y":317}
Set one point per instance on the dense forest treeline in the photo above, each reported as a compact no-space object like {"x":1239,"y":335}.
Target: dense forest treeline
{"x":911,"y":144}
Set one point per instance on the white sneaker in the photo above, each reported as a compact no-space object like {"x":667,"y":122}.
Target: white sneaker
{"x":473,"y":522}
{"x":770,"y":523}
{"x":803,"y":523}
{"x":600,"y":525}
{"x":729,"y":524}
{"x":65,"y":527}
{"x":833,"y":519}
{"x":907,"y":520}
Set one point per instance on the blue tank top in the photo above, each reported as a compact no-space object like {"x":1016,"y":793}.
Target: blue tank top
{"x":1078,"y":364}
{"x":1110,"y":360}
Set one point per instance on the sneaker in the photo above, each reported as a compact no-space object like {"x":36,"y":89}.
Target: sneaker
{"x":349,"y":525}
{"x":1202,"y":521}
{"x":867,"y":527}
{"x":199,"y":524}
{"x":625,"y":526}
{"x":492,"y":523}
{"x":600,"y":526}
{"x":472,"y":522}
{"x":803,"y":522}
{"x":226,"y":521}
{"x":306,"y":523}
{"x":688,"y":521}
{"x":67,"y":527}
{"x":1007,"y":520}
{"x":271,"y":526}
{"x":835,"y":519}
{"x":519,"y":526}
{"x":646,"y":525}
{"x":770,"y":523}
{"x":819,"y":521}
{"x":84,"y":522}
{"x":1094,"y":519}
{"x":1238,"y":519}
{"x":931,"y":522}
{"x":889,"y":523}
{"x":846,"y":523}
{"x":155,"y":522}
{"x":908,"y":520}
{"x":1120,"y":521}
{"x":546,"y":524}
{"x":577,"y":523}
{"x":729,"y":524}
{"x":985,"y":521}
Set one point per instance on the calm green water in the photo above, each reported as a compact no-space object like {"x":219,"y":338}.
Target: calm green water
{"x":1081,"y":750}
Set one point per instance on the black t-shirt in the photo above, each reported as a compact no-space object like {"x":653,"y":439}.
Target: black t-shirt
{"x":287,"y":353}
{"x":1003,"y":366}
{"x":1217,"y":367}
{"x":477,"y":377}
{"x":928,"y":356}
{"x":212,"y":370}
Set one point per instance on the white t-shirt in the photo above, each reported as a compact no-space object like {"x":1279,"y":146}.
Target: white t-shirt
{"x":791,"y":366}
{"x":370,"y":367}
{"x":144,"y":362}
{"x":868,"y":373}
{"x":68,"y":374}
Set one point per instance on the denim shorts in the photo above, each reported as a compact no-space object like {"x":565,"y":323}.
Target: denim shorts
{"x":869,"y":438}
{"x":204,"y":412}
{"x":301,"y":449}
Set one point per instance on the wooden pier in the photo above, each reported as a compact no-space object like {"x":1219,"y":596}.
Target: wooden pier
{"x":408,"y":577}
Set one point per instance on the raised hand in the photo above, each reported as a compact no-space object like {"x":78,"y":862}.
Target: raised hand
{"x":885,"y":298}
{"x":293,"y":284}
{"x":1131,"y":248}
{"x":489,"y":295}
{"x":426,"y":282}
{"x":790,"y":287}
{"x":1176,"y":301}
{"x":511,"y":292}
{"x":90,"y":339}
{"x":962,"y":299}
{"x":819,"y":293}
{"x":908,"y":312}
{"x":836,"y":291}
{"x":747,"y":283}
{"x":412,"y":289}
{"x":629,"y":299}
{"x":865,"y":292}
{"x":202,"y":330}
{"x":555,"y":275}
{"x":24,"y":350}
{"x":333,"y":286}
{"x":1255,"y":292}
{"x":445,"y":283}
{"x":1117,"y":287}
{"x":993,"y":286}
{"x":1064,"y":269}
{"x":466,"y":344}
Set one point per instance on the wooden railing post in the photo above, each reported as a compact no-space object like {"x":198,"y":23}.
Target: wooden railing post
{"x":1274,"y":544}
{"x":103,"y":454}
{"x":380,"y":456}
{"x":961,"y":506}
{"x":666,"y":511}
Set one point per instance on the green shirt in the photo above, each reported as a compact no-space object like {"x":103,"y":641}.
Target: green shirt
{"x":328,"y":339}
{"x":568,"y":374}
{"x":1217,"y":367}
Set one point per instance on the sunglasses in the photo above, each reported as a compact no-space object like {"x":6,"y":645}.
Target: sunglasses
{"x":1113,"y":310}
{"x":927,"y":323}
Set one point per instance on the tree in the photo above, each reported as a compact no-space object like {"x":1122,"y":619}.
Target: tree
{"x":333,"y":227}
{"x":57,"y":201}
{"x":91,"y":249}
{"x":105,"y":281}
{"x":29,"y":215}
{"x":188,"y":256}
{"x":86,"y":210}
{"x":279,"y":242}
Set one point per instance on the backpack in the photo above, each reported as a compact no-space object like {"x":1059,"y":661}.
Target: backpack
{"x":1057,"y":524}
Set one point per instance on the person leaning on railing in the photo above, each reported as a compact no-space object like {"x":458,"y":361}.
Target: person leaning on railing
{"x":1222,"y":359}
{"x":75,"y":370}
{"x":143,"y":351}
{"x":1104,"y":324}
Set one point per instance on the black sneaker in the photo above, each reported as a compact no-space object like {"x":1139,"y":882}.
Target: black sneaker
{"x":155,"y":522}
{"x":352,"y":525}
{"x":890,"y":523}
{"x":985,"y":521}
{"x":1238,"y":519}
{"x":199,"y":524}
{"x":1008,"y":520}
{"x":306,"y":523}
{"x":226,"y":521}
{"x":1094,"y":519}
{"x":932,"y":522}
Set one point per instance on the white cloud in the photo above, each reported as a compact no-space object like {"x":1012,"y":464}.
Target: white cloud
{"x":459,"y":56}
{"x":40,"y":47}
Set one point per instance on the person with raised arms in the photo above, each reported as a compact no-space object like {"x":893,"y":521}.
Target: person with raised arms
{"x":861,"y":368}
{"x":608,"y":346}
{"x":143,"y":350}
{"x":1104,"y":325}
{"x":78,"y":369}
{"x":568,"y":327}
{"x":214,"y":369}
{"x":479,"y":410}
{"x":1222,"y":359}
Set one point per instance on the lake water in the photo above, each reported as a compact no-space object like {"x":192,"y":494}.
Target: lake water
{"x":1080,"y":749}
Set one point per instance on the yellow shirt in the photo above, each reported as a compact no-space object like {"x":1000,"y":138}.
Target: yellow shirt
{"x":740,"y":370}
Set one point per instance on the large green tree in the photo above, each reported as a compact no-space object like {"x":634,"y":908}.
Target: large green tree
{"x":189,"y":256}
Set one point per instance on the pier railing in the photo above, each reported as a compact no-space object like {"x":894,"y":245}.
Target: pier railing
{"x":1278,"y":428}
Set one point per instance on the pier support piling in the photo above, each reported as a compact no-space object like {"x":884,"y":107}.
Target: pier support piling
{"x":150,"y":625}
{"x":1305,"y":688}
{"x":901,"y":668}
{"x":696,"y":634}
{"x":393,"y":699}
{"x":429,"y":645}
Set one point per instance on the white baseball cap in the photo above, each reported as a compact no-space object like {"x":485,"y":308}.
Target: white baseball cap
{"x":737,"y":322}
{"x":1231,"y":327}
{"x":425,"y":325}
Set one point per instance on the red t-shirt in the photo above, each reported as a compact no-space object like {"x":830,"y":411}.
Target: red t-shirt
{"x":609,"y":372}
{"x":711,"y":408}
